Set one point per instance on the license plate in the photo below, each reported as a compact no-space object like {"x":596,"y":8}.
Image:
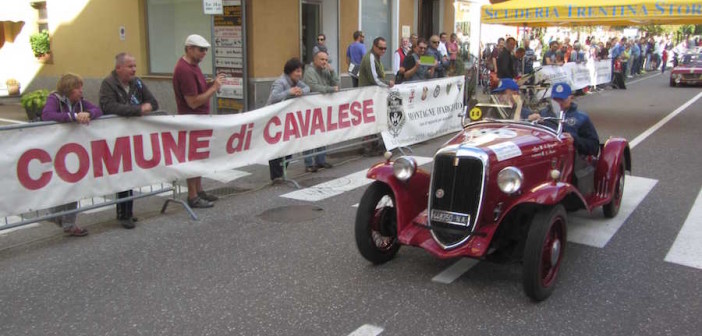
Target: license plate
{"x":450,"y":217}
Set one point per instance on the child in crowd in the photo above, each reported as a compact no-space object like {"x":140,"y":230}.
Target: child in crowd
{"x":664,"y":60}
{"x":618,"y":80}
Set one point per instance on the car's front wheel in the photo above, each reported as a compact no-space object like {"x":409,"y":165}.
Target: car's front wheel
{"x":376,"y":224}
{"x":611,"y":209}
{"x":544,"y":251}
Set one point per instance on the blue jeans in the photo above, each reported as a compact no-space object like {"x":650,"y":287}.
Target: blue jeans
{"x":318,"y":159}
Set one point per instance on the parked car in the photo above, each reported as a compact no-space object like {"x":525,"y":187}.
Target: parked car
{"x":688,"y":70}
{"x":499,"y":190}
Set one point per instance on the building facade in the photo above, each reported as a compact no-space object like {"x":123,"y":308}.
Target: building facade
{"x":85,"y":36}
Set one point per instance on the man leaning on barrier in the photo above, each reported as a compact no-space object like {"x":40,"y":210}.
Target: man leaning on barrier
{"x":124,"y":94}
{"x":320,"y":78}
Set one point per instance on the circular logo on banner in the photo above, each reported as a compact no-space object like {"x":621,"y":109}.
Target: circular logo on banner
{"x":437,"y":90}
{"x":475,"y":114}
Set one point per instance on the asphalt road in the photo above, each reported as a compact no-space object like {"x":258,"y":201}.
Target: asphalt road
{"x":235,"y":272}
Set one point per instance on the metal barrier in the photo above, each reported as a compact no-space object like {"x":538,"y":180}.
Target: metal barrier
{"x":44,"y":214}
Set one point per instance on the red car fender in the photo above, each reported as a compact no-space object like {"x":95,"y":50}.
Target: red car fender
{"x":548,"y":194}
{"x":411,"y":197}
{"x":613,"y":152}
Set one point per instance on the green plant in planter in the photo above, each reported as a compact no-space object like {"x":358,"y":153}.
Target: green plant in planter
{"x":33,"y":103}
{"x":40,"y":43}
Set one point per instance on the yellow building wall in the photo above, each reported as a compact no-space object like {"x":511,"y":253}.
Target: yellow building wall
{"x":449,"y":18}
{"x":406,"y":16}
{"x":85,"y":36}
{"x":273,"y":35}
{"x":348,"y":24}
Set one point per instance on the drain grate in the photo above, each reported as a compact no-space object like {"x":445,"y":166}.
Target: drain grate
{"x":292,"y":214}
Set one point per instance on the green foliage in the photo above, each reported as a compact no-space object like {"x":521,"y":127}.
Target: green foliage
{"x":40,"y":43}
{"x":34,"y":100}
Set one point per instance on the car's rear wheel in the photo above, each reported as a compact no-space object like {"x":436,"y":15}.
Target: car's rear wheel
{"x":672,"y":82}
{"x":544,"y":251}
{"x":376,"y":224}
{"x":611,"y":209}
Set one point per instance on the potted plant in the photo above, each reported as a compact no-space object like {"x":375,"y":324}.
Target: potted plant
{"x":33,"y":103}
{"x":13,"y":87}
{"x":41,"y":45}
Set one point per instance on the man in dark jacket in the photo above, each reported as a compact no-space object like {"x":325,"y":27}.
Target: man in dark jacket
{"x":505,"y":61}
{"x":124,"y":94}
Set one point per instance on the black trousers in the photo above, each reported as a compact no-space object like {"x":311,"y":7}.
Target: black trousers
{"x":354,"y":81}
{"x":124,"y":209}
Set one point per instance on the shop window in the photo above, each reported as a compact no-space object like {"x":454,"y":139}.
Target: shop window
{"x":169,"y":23}
{"x":42,"y":15}
{"x":376,"y":20}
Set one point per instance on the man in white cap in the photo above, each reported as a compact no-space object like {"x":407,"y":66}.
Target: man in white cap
{"x":193,"y":93}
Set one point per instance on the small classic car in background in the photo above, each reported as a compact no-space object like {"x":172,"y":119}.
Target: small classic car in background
{"x":499,"y":190}
{"x":688,"y":71}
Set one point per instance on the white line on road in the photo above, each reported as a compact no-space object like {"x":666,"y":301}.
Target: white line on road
{"x":367,"y":330}
{"x":687,"y":248}
{"x":643,"y":79}
{"x":455,"y":271}
{"x":338,"y":186}
{"x":586,"y":229}
{"x":13,"y":121}
{"x":663,"y":121}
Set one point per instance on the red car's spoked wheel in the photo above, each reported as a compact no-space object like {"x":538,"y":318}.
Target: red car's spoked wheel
{"x":376,"y":224}
{"x":611,"y":209}
{"x":552,"y":253}
{"x":543,"y":252}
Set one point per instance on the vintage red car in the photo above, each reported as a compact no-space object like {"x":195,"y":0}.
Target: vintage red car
{"x":688,"y":71}
{"x":499,"y":190}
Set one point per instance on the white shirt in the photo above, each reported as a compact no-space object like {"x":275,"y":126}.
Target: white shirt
{"x":442,"y":49}
{"x":396,"y":62}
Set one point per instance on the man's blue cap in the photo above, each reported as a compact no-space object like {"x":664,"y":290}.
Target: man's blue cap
{"x":561,"y":91}
{"x":506,"y":83}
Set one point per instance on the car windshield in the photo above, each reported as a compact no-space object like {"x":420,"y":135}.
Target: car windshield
{"x":692,"y":60}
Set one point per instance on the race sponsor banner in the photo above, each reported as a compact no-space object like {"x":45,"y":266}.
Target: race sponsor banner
{"x":578,"y":76}
{"x":419,"y":111}
{"x":44,"y":166}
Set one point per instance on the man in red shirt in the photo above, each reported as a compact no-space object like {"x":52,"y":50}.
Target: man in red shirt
{"x":193,"y":93}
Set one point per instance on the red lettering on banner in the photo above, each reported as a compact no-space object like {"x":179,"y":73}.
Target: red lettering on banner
{"x":331,"y":125}
{"x":170,"y":147}
{"x":121,"y":154}
{"x":356,"y":118}
{"x":242,"y":138}
{"x":291,"y":128}
{"x":196,"y":143}
{"x":317,"y":122}
{"x":83,"y":162}
{"x":344,"y":116}
{"x":139,"y":156}
{"x":368,"y":116}
{"x":267,"y":131}
{"x":23,"y":169}
{"x":304,"y":122}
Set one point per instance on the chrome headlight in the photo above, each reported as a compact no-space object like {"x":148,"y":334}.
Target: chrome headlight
{"x":510,"y":180}
{"x":404,"y":167}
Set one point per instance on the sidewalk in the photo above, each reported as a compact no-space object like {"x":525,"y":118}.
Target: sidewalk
{"x":11,"y":112}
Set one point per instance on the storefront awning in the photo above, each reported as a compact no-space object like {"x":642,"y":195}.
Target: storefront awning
{"x":542,"y":13}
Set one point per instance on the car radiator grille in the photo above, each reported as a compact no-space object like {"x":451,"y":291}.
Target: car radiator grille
{"x":462,"y":191}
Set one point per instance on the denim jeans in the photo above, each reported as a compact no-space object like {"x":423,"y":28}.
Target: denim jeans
{"x":318,"y":159}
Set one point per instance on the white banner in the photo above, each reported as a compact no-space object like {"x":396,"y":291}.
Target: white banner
{"x":44,"y":166}
{"x":577,"y":76}
{"x":419,"y":111}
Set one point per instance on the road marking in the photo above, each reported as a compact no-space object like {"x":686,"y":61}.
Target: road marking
{"x":643,"y":79}
{"x":355,"y":205}
{"x":367,"y":330}
{"x":455,"y":271}
{"x":227,"y":176}
{"x":338,"y":186}
{"x":13,"y":121}
{"x":595,"y":230}
{"x":663,"y":121}
{"x":687,"y":248}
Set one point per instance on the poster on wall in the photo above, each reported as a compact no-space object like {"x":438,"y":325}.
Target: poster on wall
{"x":229,"y":57}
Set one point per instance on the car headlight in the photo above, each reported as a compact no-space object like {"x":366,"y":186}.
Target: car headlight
{"x":404,"y":167}
{"x":510,"y":180}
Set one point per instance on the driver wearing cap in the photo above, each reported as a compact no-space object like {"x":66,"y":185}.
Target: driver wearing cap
{"x":576,"y":122}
